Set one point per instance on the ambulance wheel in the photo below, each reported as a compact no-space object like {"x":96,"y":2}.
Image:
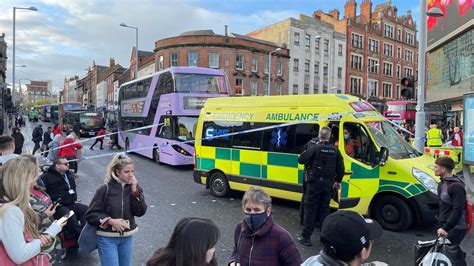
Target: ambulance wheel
{"x":393,"y":213}
{"x":219,"y":185}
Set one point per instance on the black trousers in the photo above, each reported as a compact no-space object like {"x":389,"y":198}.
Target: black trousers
{"x":98,"y":140}
{"x":316,"y":204}
{"x":75,"y":223}
{"x":37,"y":146}
{"x":18,"y":150}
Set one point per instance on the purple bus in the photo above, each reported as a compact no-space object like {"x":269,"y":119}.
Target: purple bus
{"x":173,"y":99}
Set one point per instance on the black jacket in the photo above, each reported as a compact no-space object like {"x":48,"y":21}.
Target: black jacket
{"x":327,"y":162}
{"x":37,"y":134}
{"x":56,"y":186}
{"x":452,"y":204}
{"x":120,"y":203}
{"x":19,"y":139}
{"x":47,"y":137}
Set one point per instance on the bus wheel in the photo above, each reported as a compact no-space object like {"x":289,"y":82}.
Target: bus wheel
{"x":127,"y":145}
{"x":393,"y":213}
{"x":156,"y":156}
{"x":219,"y":185}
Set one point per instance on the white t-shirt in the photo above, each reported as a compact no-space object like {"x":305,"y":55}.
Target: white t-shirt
{"x":5,"y":158}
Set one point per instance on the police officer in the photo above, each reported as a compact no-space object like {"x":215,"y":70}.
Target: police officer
{"x":327,"y":171}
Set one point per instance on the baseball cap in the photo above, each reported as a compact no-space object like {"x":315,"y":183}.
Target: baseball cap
{"x":349,"y":232}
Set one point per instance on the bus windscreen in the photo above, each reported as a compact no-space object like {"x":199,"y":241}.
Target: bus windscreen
{"x":199,"y":83}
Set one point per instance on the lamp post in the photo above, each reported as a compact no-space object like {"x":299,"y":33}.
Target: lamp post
{"x":136,"y":45}
{"x":420,"y":102}
{"x":32,"y":8}
{"x":270,"y":67}
{"x":367,"y":95}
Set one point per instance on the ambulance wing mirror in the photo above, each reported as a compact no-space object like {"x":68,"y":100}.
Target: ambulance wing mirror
{"x":382,"y":156}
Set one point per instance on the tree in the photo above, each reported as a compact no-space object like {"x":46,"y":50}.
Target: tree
{"x":39,"y":102}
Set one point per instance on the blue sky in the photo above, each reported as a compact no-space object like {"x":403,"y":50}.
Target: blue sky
{"x":65,"y":36}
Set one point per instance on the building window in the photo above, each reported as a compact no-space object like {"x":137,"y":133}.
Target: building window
{"x":307,"y":40}
{"x":410,"y":38}
{"x":193,"y":58}
{"x":296,"y":40}
{"x":373,"y":46}
{"x":239,"y":62}
{"x":279,"y":68}
{"x":373,"y":87}
{"x":339,"y":72}
{"x":160,"y":63}
{"x":254,"y":64}
{"x":387,"y":49}
{"x":373,"y":65}
{"x":398,"y":71}
{"x":387,"y":69}
{"x":325,"y":88}
{"x":356,"y":62}
{"x":316,"y":88}
{"x":316,"y":68}
{"x":408,"y":56}
{"x":266,"y":67}
{"x":316,"y":44}
{"x":325,"y":70}
{"x":387,"y":90}
{"x":295,"y":88}
{"x":399,"y":34}
{"x":296,"y":63}
{"x":399,"y":52}
{"x":306,"y":88}
{"x":213,"y":60}
{"x":398,"y":92}
{"x":408,"y":71}
{"x":356,"y":85}
{"x":253,"y":86}
{"x":388,"y":31}
{"x":356,"y":40}
{"x":278,"y":88}
{"x":326,"y":46}
{"x":239,"y":86}
{"x":266,"y":88}
{"x":339,"y":49}
{"x":174,"y":59}
{"x":306,"y":66}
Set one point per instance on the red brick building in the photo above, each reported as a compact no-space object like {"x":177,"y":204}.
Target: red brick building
{"x":113,"y":74}
{"x":381,"y":48}
{"x":244,"y":59}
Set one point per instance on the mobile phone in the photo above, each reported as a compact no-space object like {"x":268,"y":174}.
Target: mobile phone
{"x":64,"y":219}
{"x":57,"y":202}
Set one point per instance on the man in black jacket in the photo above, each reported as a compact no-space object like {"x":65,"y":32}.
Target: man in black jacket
{"x":46,"y":140}
{"x":60,"y":184}
{"x":37,"y":137}
{"x":327,"y":171}
{"x":452,"y":205}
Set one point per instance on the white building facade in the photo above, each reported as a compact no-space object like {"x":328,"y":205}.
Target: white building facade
{"x":317,"y":51}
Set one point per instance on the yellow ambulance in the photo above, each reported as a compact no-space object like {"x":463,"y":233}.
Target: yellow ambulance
{"x":245,"y":141}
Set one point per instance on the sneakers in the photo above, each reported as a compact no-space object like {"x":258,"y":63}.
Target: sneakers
{"x":91,"y":148}
{"x":304,"y":241}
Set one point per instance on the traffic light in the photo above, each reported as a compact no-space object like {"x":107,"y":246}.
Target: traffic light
{"x":408,"y":87}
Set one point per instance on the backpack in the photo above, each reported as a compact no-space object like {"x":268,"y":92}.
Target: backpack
{"x":468,"y":208}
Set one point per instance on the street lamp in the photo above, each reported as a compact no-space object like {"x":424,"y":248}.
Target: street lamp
{"x":367,"y":95}
{"x":136,"y":45}
{"x":420,"y":102}
{"x":270,"y":67}
{"x":32,"y":8}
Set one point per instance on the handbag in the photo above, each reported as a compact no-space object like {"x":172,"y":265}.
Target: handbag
{"x":88,"y":238}
{"x":437,"y":252}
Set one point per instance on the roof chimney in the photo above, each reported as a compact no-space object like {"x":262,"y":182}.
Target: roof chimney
{"x":350,"y":9}
{"x":225,"y":30}
{"x":366,"y":12}
{"x":334,"y":13}
{"x":112,"y":62}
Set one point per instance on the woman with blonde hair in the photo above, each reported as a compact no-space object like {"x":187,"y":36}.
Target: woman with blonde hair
{"x":69,"y":149}
{"x":19,"y":235}
{"x":113,"y":210}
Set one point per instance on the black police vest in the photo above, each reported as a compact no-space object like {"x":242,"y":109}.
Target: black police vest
{"x":324,"y":161}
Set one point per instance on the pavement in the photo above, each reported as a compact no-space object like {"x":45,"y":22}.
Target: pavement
{"x":171,"y":194}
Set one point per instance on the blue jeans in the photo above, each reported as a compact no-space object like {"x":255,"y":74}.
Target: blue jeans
{"x":115,"y":251}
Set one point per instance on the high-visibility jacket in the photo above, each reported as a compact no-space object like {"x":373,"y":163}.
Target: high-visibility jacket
{"x":434,"y":137}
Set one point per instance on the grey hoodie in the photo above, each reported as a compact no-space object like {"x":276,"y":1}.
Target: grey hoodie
{"x":54,"y":148}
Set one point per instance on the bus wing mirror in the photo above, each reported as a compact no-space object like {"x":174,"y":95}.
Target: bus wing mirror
{"x":382,"y":156}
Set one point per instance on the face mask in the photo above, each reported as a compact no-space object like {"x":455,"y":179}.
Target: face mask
{"x":255,"y":220}
{"x":346,"y":136}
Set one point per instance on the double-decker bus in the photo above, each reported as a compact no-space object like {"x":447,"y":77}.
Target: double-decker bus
{"x":49,"y":113}
{"x":171,"y":98}
{"x":401,"y":111}
{"x":67,"y":106}
{"x":87,"y":123}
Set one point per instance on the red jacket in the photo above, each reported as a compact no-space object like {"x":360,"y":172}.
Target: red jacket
{"x":457,"y":139}
{"x":69,"y":150}
{"x":101,"y":133}
{"x":57,"y":131}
